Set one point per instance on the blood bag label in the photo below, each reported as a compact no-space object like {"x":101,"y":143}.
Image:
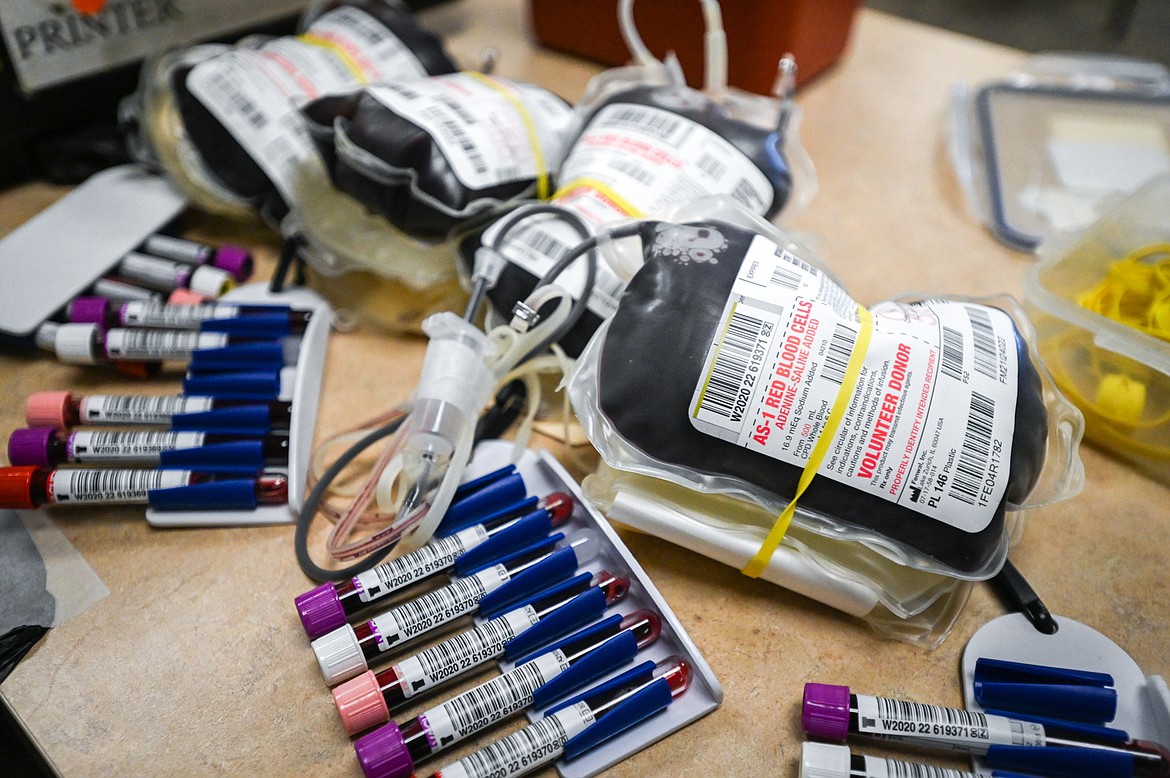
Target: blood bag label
{"x":160,"y":344}
{"x":473,"y":710}
{"x":431,"y":558}
{"x":491,"y":131}
{"x":928,"y":421}
{"x":525,"y":749}
{"x":631,"y":161}
{"x":156,"y":314}
{"x":106,"y":409}
{"x":111,"y":486}
{"x":463,"y":652}
{"x":438,"y":607}
{"x":88,"y":446}
{"x":256,"y":93}
{"x":963,"y":731}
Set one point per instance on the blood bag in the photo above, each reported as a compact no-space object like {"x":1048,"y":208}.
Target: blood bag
{"x":224,"y":121}
{"x":939,"y":416}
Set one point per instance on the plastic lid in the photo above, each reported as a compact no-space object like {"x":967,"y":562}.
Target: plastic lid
{"x":210,"y":281}
{"x":1059,"y":692}
{"x":823,"y":760}
{"x":187,"y":297}
{"x":320,"y":610}
{"x":383,"y":753}
{"x":89,"y":310}
{"x":16,"y":487}
{"x":48,"y":409}
{"x":30,"y":446}
{"x":360,"y":703}
{"x":339,"y":655}
{"x":235,"y":260}
{"x":825,"y":711}
{"x":75,"y":344}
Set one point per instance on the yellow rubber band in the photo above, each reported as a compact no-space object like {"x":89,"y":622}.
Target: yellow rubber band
{"x":605,"y":190}
{"x":824,"y":439}
{"x":542,"y":183}
{"x":350,"y":64}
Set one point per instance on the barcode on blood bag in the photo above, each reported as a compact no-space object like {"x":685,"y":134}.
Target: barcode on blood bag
{"x":488,"y":703}
{"x":464,"y":141}
{"x":648,"y":121}
{"x":952,"y":354}
{"x":837,"y":356}
{"x":901,"y":710}
{"x":239,"y":101}
{"x":713,"y":167}
{"x":732,"y":360}
{"x":747,"y":195}
{"x":786,"y":278}
{"x":540,"y":241}
{"x":983,"y":335}
{"x":976,"y":453}
{"x":632,"y":169}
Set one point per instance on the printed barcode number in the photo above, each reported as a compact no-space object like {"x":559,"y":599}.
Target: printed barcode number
{"x":952,"y":354}
{"x":541,"y":242}
{"x":896,"y":769}
{"x":408,"y":568}
{"x":900,"y":710}
{"x":155,"y":406}
{"x":747,"y":195}
{"x":657,"y":123}
{"x":162,"y":341}
{"x":514,"y":754}
{"x":94,"y":485}
{"x":632,"y":169}
{"x":121,"y":441}
{"x":732,"y":360}
{"x":983,"y":334}
{"x":785,"y":277}
{"x":479,"y":707}
{"x":416,"y":616}
{"x":464,"y":141}
{"x":976,"y":453}
{"x":837,"y":356}
{"x":361,"y":23}
{"x":713,"y":167}
{"x":483,"y":643}
{"x":249,"y":110}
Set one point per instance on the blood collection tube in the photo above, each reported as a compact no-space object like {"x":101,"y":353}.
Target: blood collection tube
{"x":88,"y":344}
{"x":47,"y":447}
{"x":123,"y":292}
{"x":583,"y":723}
{"x":346,"y":651}
{"x":369,"y":699}
{"x":234,"y":259}
{"x":822,"y":760}
{"x":25,"y":488}
{"x":1020,"y":742}
{"x":179,"y":412}
{"x":393,"y":751}
{"x":268,"y":320}
{"x":166,"y":275}
{"x":328,"y":606}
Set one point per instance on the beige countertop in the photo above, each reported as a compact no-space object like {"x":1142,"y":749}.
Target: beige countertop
{"x":195,"y":664}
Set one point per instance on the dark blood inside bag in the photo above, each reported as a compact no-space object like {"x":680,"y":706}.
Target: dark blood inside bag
{"x":231,"y":163}
{"x":650,"y":363}
{"x":397,"y":169}
{"x":761,"y":146}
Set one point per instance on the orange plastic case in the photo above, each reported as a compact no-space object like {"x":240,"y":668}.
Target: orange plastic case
{"x":759,"y":33}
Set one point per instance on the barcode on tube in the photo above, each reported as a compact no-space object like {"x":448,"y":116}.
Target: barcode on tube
{"x":430,"y":610}
{"x":983,"y":335}
{"x":729,"y":372}
{"x":895,"y":769}
{"x":488,"y":703}
{"x":837,"y":356}
{"x":901,"y":710}
{"x":148,"y":410}
{"x":112,"y":485}
{"x":952,"y":354}
{"x":434,"y":556}
{"x":536,"y":744}
{"x":973,"y":459}
{"x":465,"y":651}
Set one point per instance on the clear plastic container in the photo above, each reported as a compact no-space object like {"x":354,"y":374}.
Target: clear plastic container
{"x":1116,"y":374}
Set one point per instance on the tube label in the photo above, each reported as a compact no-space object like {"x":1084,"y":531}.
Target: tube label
{"x":437,"y":555}
{"x":160,"y":344}
{"x":927,"y":421}
{"x":88,"y":446}
{"x":139,"y":409}
{"x":154,"y":272}
{"x":490,"y":702}
{"x":420,"y":615}
{"x":178,"y":317}
{"x":535,"y":745}
{"x":631,"y":160}
{"x":463,"y":652}
{"x":877,"y":767}
{"x":68,"y":486}
{"x":178,"y":249}
{"x":962,"y":731}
